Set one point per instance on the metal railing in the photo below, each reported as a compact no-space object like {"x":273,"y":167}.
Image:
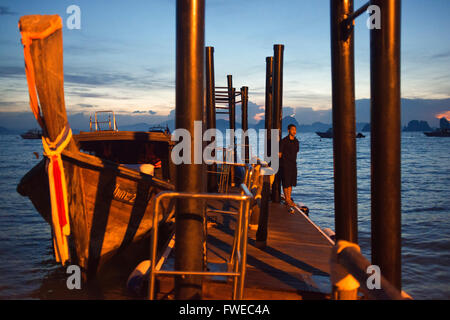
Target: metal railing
{"x":238,"y":258}
{"x":111,"y":122}
{"x":224,"y":170}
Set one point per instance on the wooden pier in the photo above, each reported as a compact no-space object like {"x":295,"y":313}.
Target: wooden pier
{"x":294,"y":265}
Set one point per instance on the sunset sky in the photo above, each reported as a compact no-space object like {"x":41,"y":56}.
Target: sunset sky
{"x":123,"y":57}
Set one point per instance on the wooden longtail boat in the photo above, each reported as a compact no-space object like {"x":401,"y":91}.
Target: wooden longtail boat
{"x":329,"y":134}
{"x":97,"y":207}
{"x":32,"y":134}
{"x":438,"y":133}
{"x":443,"y":131}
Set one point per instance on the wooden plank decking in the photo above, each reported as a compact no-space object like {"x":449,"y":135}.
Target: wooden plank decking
{"x":294,"y":264}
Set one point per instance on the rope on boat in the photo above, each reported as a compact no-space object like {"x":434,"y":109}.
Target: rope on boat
{"x":52,"y":149}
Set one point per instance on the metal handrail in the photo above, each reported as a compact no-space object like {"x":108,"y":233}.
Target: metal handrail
{"x":223,"y":183}
{"x":112,"y":125}
{"x":240,"y":243}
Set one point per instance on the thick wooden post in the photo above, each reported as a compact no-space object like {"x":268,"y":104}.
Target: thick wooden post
{"x":277,"y":96}
{"x":261,"y":234}
{"x":344,"y":124}
{"x":344,"y":128}
{"x":385,"y":141}
{"x":190,"y":51}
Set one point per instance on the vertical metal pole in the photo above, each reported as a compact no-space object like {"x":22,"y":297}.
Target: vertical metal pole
{"x":385,"y":141}
{"x":190,"y":50}
{"x":344,"y":124}
{"x":211,"y":111}
{"x":153,"y":250}
{"x":210,"y":89}
{"x":232,"y":118}
{"x":244,"y":104}
{"x":277,"y":96}
{"x":231,"y":102}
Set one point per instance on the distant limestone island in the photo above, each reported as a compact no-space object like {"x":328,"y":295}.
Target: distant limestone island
{"x":4,"y":130}
{"x":413,"y":126}
{"x":318,"y":127}
{"x":416,"y":125}
{"x":423,"y":126}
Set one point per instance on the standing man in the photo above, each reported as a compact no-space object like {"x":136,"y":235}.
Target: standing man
{"x":289,"y":147}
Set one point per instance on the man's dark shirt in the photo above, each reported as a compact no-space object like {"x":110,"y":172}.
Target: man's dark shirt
{"x":289,"y":149}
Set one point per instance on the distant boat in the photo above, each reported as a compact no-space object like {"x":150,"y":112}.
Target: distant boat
{"x":159,"y":128}
{"x":32,"y":134}
{"x":329,"y":134}
{"x":438,"y":133}
{"x":326,"y":134}
{"x":443,"y":131}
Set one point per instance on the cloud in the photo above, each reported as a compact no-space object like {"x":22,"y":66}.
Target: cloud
{"x":98,"y":79}
{"x":252,"y":111}
{"x":259,"y":116}
{"x":441,"y":55}
{"x":306,"y":115}
{"x":5,"y":11}
{"x":445,"y":114}
{"x":85,"y":105}
{"x":144,"y":112}
{"x":11,"y":71}
{"x":149,"y":79}
{"x":411,"y":109}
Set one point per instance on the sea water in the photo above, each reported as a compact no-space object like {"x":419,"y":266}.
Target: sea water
{"x":28,"y":269}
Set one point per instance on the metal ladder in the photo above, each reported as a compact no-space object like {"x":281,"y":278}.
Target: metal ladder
{"x":238,"y":256}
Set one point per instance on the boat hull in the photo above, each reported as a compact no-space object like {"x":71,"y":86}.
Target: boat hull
{"x":438,"y":134}
{"x":325,"y":134}
{"x":30,"y":137}
{"x":329,"y":135}
{"x":110,"y":206}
